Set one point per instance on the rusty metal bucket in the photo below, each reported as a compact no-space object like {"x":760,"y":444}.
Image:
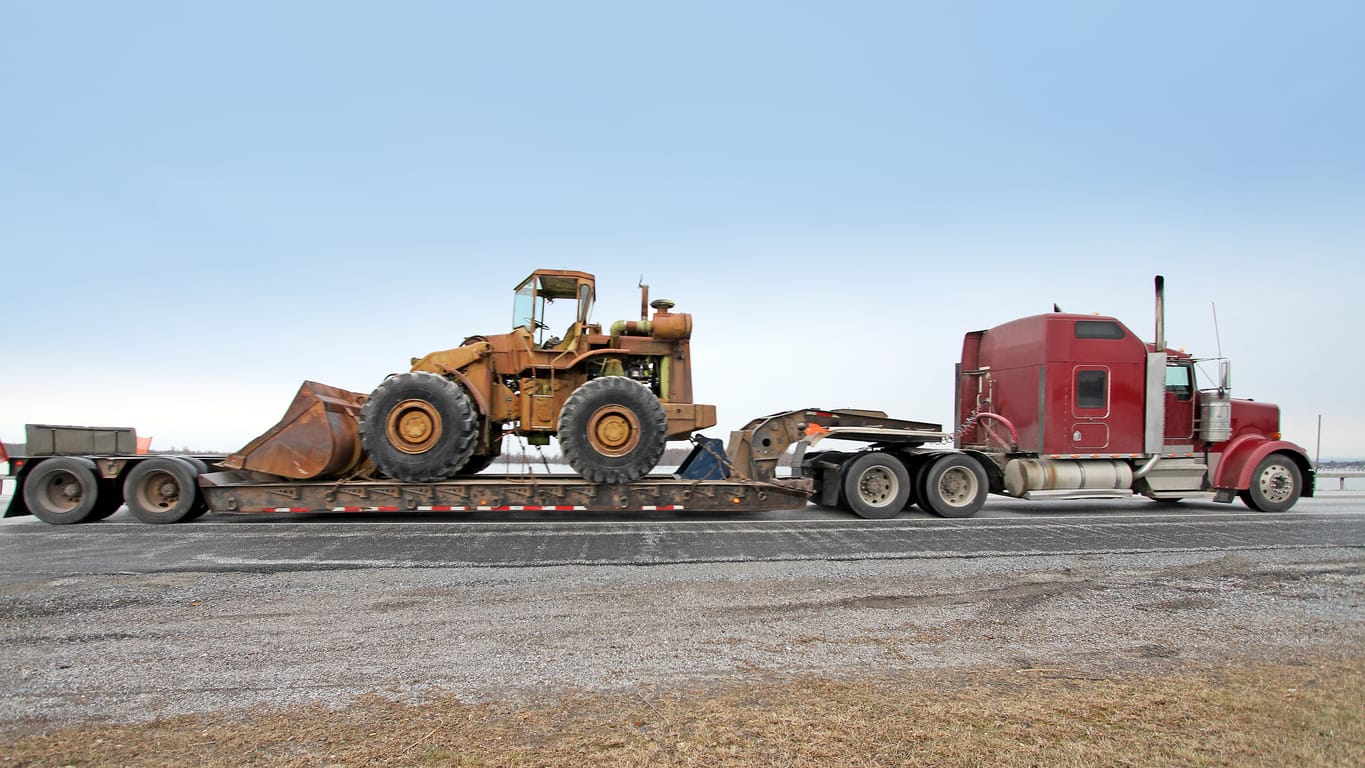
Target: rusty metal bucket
{"x":318,"y":438}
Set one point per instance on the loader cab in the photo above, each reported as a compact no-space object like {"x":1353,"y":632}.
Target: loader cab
{"x":551,"y":302}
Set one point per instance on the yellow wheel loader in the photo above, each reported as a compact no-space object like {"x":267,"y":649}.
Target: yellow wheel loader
{"x":613,"y":399}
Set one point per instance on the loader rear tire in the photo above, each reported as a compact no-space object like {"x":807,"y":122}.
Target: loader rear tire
{"x":162,"y":490}
{"x":418,"y":427}
{"x":62,"y":491}
{"x":613,"y":430}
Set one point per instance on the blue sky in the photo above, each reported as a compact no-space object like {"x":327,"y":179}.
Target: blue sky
{"x":201,"y":206}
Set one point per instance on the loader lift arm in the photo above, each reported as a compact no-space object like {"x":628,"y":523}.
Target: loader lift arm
{"x":754,"y":451}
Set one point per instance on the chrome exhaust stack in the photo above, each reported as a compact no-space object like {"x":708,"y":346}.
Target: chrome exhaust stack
{"x":1160,"y":314}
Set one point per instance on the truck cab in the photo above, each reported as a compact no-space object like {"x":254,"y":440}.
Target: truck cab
{"x":1073,"y":405}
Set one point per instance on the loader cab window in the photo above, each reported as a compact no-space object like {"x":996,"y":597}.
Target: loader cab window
{"x":547,"y":305}
{"x":584,"y":302}
{"x":524,"y":308}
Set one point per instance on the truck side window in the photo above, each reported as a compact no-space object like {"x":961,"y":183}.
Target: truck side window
{"x":1091,"y":389}
{"x":1098,"y":329}
{"x":1178,"y":382}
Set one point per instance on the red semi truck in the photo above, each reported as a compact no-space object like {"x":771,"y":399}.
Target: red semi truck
{"x":1050,"y":406}
{"x":1072,"y":406}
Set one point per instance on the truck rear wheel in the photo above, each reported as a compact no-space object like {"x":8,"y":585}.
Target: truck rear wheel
{"x":1275,"y":485}
{"x":63,"y":490}
{"x":162,"y":490}
{"x":876,"y":486}
{"x":953,"y":485}
{"x":418,"y":427}
{"x":613,"y":430}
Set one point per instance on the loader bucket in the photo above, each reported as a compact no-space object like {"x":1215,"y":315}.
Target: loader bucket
{"x":318,"y":438}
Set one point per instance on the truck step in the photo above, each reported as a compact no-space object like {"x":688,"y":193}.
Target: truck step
{"x":1175,"y":476}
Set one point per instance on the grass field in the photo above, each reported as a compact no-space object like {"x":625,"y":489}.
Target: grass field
{"x":1310,"y":712}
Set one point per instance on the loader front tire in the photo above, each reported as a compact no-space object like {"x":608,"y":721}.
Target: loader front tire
{"x":418,"y":427}
{"x":613,"y":430}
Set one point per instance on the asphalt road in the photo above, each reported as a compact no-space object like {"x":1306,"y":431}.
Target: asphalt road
{"x":123,"y":621}
{"x":271,"y":544}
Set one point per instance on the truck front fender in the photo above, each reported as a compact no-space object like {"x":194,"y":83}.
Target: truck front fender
{"x":1243,"y":454}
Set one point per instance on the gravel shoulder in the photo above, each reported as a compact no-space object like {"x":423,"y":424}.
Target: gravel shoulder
{"x":131,"y":648}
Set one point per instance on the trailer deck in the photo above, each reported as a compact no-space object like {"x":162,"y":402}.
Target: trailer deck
{"x":237,"y":492}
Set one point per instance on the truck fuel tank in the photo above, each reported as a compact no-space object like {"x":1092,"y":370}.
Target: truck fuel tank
{"x":1024,"y":475}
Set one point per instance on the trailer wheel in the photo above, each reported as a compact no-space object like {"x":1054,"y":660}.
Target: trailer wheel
{"x":62,"y":490}
{"x":876,"y":486}
{"x":418,"y":427}
{"x":161,"y":490}
{"x":613,"y":430}
{"x":953,"y":485}
{"x":201,"y":505}
{"x":1275,"y":485}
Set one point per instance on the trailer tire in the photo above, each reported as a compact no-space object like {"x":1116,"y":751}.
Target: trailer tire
{"x":418,"y":427}
{"x":613,"y":430}
{"x":62,"y":490}
{"x":953,"y":485}
{"x":162,"y":490}
{"x":201,"y":505}
{"x":876,"y":485}
{"x":1275,"y":485}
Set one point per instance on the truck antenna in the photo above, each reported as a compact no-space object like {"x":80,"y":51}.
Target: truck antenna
{"x":1217,"y":340}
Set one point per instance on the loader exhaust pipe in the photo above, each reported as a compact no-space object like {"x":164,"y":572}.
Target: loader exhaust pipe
{"x":1160,"y":314}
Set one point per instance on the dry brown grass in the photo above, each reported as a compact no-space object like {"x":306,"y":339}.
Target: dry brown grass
{"x":1309,"y":713}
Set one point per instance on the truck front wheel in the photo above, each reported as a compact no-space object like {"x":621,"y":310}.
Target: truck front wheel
{"x":876,"y":486}
{"x":953,"y":485}
{"x":1275,"y":485}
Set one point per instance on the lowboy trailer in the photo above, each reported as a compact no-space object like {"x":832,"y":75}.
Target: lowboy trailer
{"x":74,"y":486}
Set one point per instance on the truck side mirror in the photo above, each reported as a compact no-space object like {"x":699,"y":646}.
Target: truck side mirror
{"x":1224,"y":375}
